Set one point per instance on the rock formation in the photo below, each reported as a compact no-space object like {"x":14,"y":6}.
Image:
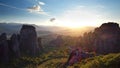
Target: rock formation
{"x":104,"y":39}
{"x":23,"y":44}
{"x":57,"y":42}
{"x":107,"y":38}
{"x":14,"y":46}
{"x":28,"y":40}
{"x":4,"y":57}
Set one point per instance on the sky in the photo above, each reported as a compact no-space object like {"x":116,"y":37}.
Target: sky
{"x":70,"y":13}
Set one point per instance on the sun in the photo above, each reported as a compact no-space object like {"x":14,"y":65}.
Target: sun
{"x":75,"y":24}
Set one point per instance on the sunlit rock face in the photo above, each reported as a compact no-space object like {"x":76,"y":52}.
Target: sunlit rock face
{"x":28,"y":40}
{"x":107,"y":38}
{"x":14,"y":46}
{"x":4,"y":56}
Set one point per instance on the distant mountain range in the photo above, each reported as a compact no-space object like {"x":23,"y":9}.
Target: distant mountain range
{"x":11,"y":28}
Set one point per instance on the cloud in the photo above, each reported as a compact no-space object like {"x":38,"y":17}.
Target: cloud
{"x":36,"y":9}
{"x":41,"y":3}
{"x":52,"y":19}
{"x":33,"y":9}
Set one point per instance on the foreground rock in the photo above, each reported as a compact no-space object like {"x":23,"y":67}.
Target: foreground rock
{"x":76,"y":56}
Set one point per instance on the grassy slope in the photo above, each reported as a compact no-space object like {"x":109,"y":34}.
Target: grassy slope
{"x":103,"y":61}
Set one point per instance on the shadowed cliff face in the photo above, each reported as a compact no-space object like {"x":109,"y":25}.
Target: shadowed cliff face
{"x":28,"y":40}
{"x":107,"y":38}
{"x":104,"y":39}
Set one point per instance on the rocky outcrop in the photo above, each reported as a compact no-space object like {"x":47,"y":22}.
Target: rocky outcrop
{"x":77,"y":55}
{"x":4,"y":57}
{"x":28,"y":40}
